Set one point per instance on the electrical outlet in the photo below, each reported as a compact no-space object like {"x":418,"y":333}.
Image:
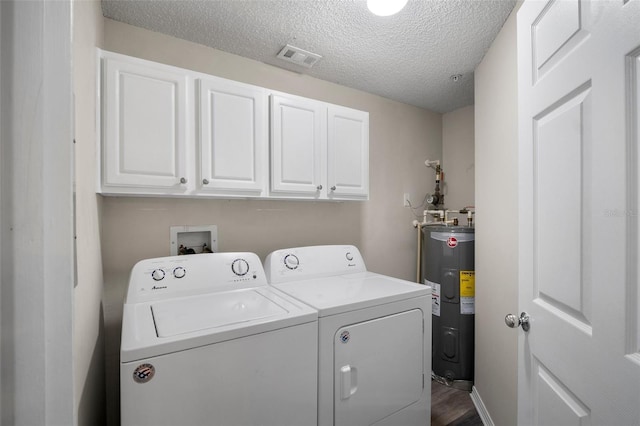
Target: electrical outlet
{"x":406,"y":201}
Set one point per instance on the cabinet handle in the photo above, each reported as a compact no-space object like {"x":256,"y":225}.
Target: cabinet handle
{"x":205,"y":181}
{"x":319,"y":187}
{"x":183,"y":180}
{"x":333,"y":188}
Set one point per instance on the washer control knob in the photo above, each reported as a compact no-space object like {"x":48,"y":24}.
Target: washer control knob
{"x":179,"y":272}
{"x":240,"y":267}
{"x":157,"y":275}
{"x":291,"y":261}
{"x":349,"y":256}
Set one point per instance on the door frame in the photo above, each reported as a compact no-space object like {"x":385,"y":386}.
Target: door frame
{"x":36,"y":213}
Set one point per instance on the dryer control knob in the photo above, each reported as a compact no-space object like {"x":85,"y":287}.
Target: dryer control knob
{"x":240,"y":267}
{"x":157,"y":275}
{"x":291,"y":261}
{"x":179,"y":272}
{"x":349,"y":256}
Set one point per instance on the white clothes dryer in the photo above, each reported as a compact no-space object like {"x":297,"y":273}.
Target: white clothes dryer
{"x":374,"y":336}
{"x":205,"y":340}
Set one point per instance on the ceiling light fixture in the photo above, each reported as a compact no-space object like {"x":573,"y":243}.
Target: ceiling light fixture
{"x":385,"y":7}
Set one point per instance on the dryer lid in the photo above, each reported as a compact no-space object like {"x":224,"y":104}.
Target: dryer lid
{"x":337,"y":294}
{"x":186,"y":315}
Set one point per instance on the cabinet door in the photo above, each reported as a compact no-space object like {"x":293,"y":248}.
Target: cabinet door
{"x":348,"y":153}
{"x":233,"y":137}
{"x":144,"y":126}
{"x":298,"y":134}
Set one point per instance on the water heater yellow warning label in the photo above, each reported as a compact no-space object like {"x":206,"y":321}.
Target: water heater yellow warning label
{"x":467,"y":283}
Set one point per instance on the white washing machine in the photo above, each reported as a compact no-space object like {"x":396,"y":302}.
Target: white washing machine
{"x":374,"y":336}
{"x":205,"y":340}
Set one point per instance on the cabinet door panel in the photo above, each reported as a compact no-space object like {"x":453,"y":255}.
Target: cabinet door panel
{"x":233,"y":137}
{"x":298,"y":132}
{"x":144,"y":126}
{"x":348,"y":152}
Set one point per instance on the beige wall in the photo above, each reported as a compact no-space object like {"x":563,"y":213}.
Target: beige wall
{"x":496,"y":158}
{"x":402,"y":137}
{"x":88,"y":330}
{"x":458,"y":160}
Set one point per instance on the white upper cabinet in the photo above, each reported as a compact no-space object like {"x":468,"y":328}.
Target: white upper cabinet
{"x":168,"y":131}
{"x":318,"y":150}
{"x":232,"y":137}
{"x":144,"y":127}
{"x":347,"y":152}
{"x":298,"y":146}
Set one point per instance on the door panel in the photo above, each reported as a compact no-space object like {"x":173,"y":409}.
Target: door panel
{"x":561,"y":174}
{"x":578,"y":212}
{"x":378,"y":368}
{"x":556,"y":405}
{"x":555,"y":33}
{"x":297,"y":135}
{"x":348,"y":152}
{"x":144,"y":126}
{"x":233,"y":137}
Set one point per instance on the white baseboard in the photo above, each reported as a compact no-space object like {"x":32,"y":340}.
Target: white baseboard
{"x":482,"y":410}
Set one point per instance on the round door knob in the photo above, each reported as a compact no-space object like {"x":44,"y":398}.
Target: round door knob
{"x":333,"y":188}
{"x":183,"y":180}
{"x":205,"y":181}
{"x":513,"y":321}
{"x":319,"y":187}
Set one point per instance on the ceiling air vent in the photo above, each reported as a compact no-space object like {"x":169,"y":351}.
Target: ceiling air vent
{"x":298,"y":56}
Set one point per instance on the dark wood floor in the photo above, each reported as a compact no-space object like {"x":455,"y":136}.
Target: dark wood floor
{"x":452,"y":407}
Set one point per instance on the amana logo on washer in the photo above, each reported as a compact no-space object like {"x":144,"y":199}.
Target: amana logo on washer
{"x":143,"y":373}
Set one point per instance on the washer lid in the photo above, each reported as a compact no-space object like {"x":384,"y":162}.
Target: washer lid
{"x":160,"y":327}
{"x":186,"y":315}
{"x":337,"y":294}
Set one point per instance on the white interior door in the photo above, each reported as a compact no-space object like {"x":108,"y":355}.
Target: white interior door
{"x":579,"y":69}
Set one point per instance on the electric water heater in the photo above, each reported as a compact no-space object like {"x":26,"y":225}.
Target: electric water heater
{"x":448,"y":265}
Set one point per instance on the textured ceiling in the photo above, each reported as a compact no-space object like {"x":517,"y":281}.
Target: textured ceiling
{"x":408,"y":57}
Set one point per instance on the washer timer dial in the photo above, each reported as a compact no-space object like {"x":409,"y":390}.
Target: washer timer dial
{"x":240,"y":267}
{"x":157,"y":274}
{"x":291,"y":261}
{"x":179,"y":272}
